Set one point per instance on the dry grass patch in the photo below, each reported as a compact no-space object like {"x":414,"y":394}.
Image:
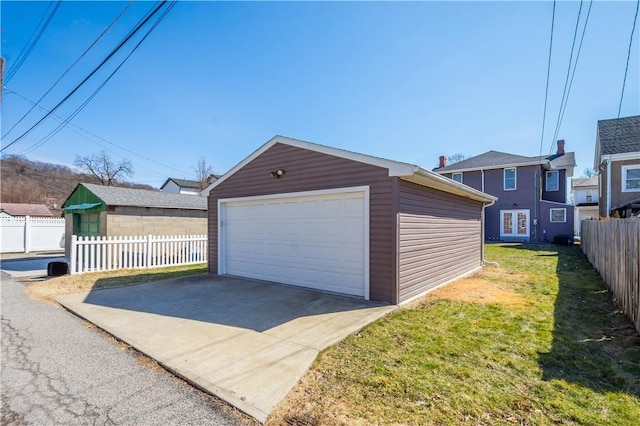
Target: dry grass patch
{"x":47,"y":290}
{"x":491,"y":286}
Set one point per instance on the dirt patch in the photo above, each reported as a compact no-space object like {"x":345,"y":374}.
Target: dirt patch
{"x":490,"y":286}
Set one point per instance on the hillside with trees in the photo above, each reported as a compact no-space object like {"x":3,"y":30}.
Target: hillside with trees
{"x":26,"y":181}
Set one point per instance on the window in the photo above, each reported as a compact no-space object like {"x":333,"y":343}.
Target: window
{"x":558,"y":215}
{"x":457,"y":177}
{"x":553,"y":182}
{"x":509,"y":179}
{"x":631,"y":178}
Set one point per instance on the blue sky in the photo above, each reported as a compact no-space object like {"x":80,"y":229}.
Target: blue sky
{"x":408,"y":81}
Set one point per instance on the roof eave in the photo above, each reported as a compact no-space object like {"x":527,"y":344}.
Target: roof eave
{"x":493,"y":167}
{"x":433,"y":180}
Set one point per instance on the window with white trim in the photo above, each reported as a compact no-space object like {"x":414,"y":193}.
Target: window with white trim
{"x":558,"y":215}
{"x":631,"y":178}
{"x":552,"y":181}
{"x":457,"y":177}
{"x":510,"y":179}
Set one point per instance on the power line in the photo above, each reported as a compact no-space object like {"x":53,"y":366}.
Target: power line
{"x":626,"y":68}
{"x":26,"y":50}
{"x":546,"y":92}
{"x":70,"y":67}
{"x":567,"y":89}
{"x":77,"y":129}
{"x":90,"y":98}
{"x":95,"y":70}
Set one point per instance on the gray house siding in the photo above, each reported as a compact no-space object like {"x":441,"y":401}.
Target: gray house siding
{"x":309,"y":170}
{"x":549,"y":230}
{"x":439,"y":238}
{"x":559,"y":196}
{"x":524,"y":197}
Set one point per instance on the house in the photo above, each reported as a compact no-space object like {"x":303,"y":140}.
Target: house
{"x":181,"y":186}
{"x":185,"y":186}
{"x":584,"y":192}
{"x":532,"y":193}
{"x":309,"y":215}
{"x":22,"y":210}
{"x":617,"y":161}
{"x":97,"y":210}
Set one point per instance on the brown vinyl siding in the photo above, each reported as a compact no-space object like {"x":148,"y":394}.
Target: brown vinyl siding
{"x":440,"y":238}
{"x":307,"y":170}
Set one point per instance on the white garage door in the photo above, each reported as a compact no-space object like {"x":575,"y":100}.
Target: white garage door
{"x":315,"y":239}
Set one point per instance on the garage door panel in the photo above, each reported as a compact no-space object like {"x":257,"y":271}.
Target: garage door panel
{"x":311,"y":241}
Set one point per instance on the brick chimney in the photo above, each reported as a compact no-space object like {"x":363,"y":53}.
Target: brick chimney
{"x":443,"y":161}
{"x":560,"y":147}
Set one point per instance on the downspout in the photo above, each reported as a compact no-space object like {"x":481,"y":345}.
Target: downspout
{"x":482,"y":215}
{"x":609,"y":187}
{"x":482,"y":174}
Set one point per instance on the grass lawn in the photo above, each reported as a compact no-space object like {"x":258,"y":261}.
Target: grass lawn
{"x":537,"y":341}
{"x":48,"y":289}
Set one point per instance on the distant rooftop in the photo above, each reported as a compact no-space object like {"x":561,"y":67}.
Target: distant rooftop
{"x":18,"y":209}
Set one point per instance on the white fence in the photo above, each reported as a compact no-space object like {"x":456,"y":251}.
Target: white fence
{"x":91,"y":254}
{"x":25,"y":234}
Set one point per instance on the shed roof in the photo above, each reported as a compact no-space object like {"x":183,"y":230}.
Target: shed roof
{"x":619,"y":136}
{"x":402,"y":170}
{"x":132,"y":197}
{"x":20,"y":209}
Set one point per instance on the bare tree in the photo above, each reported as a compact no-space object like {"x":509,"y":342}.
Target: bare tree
{"x":103,"y":168}
{"x":456,"y":158}
{"x":204,"y":172}
{"x":589,"y":172}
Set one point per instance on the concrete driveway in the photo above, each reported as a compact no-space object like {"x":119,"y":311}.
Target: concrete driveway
{"x":247,"y":342}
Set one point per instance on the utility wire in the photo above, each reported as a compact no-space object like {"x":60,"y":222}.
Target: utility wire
{"x":77,"y":129}
{"x":626,"y":69}
{"x":567,"y":89}
{"x":95,"y":70}
{"x":70,"y":67}
{"x":90,"y":98}
{"x":26,"y":50}
{"x":546,"y":92}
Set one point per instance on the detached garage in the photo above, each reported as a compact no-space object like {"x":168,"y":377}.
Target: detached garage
{"x":319,"y":217}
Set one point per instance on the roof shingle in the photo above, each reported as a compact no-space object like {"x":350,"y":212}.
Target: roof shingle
{"x":131,"y":197}
{"x":619,"y":136}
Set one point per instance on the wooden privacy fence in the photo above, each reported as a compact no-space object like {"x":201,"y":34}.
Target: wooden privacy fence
{"x":91,"y":254}
{"x":613,"y":248}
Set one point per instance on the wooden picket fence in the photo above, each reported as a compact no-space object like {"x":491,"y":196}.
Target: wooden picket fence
{"x":92,"y":254}
{"x":613,"y":248}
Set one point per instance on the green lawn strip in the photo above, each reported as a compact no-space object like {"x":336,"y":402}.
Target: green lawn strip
{"x":567,"y":357}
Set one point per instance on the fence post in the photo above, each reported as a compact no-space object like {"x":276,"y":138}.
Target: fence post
{"x":74,"y":251}
{"x":147,"y":261}
{"x":27,"y":234}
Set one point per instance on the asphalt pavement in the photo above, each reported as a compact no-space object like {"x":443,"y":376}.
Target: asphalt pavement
{"x":57,"y":370}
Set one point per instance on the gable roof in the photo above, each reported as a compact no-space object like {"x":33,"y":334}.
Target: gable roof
{"x":183,"y":183}
{"x":132,"y":197}
{"x":404,"y":171}
{"x":19,"y":209}
{"x":619,"y":136}
{"x":498,"y":160}
{"x":584,"y":182}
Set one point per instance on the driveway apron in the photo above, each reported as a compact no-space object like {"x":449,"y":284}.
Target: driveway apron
{"x":247,"y":342}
